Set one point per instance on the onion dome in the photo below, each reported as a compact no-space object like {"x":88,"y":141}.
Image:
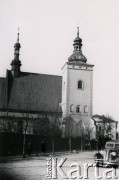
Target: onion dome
{"x":77,"y":55}
{"x":17,"y":45}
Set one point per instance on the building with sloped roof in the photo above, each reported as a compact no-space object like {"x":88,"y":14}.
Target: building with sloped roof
{"x":26,"y":95}
{"x":31,"y":96}
{"x":30,"y":91}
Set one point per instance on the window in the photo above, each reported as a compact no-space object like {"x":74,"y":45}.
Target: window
{"x":80,"y":84}
{"x":78,"y":109}
{"x":71,"y":108}
{"x":85,"y":109}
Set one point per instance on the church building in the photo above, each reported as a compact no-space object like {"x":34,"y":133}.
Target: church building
{"x":32,"y":96}
{"x":77,"y":88}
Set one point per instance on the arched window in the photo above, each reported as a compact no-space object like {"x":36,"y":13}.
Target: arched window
{"x":80,"y":84}
{"x":78,"y":108}
{"x":85,"y":109}
{"x":71,"y":108}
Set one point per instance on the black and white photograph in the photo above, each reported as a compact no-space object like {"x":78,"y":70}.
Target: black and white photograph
{"x":59,"y":89}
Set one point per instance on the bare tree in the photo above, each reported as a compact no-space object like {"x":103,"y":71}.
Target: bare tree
{"x":27,"y":120}
{"x":69,"y":126}
{"x":42,"y":125}
{"x":8,"y":125}
{"x":89,"y":132}
{"x":27,"y":127}
{"x":55,"y":129}
{"x":106,"y":126}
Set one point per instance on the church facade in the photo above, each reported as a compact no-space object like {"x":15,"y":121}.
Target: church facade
{"x":31,"y":96}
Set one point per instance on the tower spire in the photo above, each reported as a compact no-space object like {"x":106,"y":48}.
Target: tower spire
{"x":77,"y":53}
{"x":16,"y":63}
{"x":77,"y":31}
{"x":18,"y":36}
{"x":77,"y":42}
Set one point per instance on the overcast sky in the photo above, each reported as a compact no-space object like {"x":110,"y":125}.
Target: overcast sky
{"x":47,"y":30}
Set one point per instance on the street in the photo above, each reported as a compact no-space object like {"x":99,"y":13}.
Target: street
{"x":34,"y":168}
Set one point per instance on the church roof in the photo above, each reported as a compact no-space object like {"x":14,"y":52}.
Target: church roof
{"x":31,"y":92}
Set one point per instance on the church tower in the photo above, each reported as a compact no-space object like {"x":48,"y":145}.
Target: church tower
{"x":77,"y":85}
{"x":16,"y":63}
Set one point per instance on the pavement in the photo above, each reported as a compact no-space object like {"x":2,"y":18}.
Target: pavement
{"x":20,"y":157}
{"x":36,"y":167}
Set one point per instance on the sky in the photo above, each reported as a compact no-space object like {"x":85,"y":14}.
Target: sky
{"x":47,"y":31}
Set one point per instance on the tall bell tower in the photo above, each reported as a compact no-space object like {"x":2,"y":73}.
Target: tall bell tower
{"x":77,"y":85}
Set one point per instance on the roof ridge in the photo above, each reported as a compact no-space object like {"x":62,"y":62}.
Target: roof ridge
{"x":41,"y":74}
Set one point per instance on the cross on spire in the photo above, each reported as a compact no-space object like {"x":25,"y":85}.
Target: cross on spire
{"x":18,"y":36}
{"x":77,"y":31}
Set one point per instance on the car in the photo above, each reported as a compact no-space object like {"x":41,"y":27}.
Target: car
{"x":109,"y":157}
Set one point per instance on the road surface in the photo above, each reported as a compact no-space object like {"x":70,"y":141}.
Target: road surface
{"x":39,"y":167}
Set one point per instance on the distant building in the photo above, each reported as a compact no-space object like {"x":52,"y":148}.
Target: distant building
{"x":33,"y":96}
{"x":106,"y":127}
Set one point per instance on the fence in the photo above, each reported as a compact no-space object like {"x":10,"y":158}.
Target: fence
{"x":12,"y":144}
